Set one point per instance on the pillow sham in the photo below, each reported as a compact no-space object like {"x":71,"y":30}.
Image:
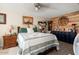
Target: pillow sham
{"x":30,"y":30}
{"x":23,"y":30}
{"x":35,"y":29}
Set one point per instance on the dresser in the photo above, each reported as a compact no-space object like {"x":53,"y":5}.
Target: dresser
{"x":65,"y":36}
{"x":9,"y":41}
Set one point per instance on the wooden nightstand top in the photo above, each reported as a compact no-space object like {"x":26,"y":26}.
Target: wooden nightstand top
{"x":9,"y":35}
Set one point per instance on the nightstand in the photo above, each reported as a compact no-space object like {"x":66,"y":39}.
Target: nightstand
{"x":9,"y":41}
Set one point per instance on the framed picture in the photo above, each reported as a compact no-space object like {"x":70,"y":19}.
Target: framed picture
{"x":27,"y":20}
{"x":42,"y":23}
{"x":42,"y":26}
{"x":2,"y":18}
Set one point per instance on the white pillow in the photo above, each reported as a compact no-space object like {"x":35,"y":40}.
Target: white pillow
{"x":30,"y":30}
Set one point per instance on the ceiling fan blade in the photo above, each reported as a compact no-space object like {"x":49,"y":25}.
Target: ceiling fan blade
{"x":45,"y":5}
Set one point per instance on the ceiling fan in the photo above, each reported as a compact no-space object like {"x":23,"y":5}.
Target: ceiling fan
{"x":39,"y":6}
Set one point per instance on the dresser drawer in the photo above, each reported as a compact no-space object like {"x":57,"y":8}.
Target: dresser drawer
{"x":6,"y":45}
{"x":13,"y":37}
{"x":12,"y":44}
{"x":6,"y":40}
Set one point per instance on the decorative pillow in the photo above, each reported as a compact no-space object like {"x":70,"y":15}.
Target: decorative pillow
{"x":23,"y":30}
{"x":35,"y":29}
{"x":30,"y":30}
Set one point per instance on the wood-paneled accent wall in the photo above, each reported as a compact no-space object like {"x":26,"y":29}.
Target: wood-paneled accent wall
{"x":73,"y":19}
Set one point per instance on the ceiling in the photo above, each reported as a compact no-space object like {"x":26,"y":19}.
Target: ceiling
{"x":54,"y":9}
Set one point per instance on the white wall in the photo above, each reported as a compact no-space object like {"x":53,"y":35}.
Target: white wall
{"x":14,"y":17}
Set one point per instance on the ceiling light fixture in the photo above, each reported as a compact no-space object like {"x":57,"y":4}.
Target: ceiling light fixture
{"x":37,"y":6}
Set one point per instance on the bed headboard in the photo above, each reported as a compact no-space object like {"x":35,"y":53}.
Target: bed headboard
{"x":24,"y":30}
{"x":18,"y":29}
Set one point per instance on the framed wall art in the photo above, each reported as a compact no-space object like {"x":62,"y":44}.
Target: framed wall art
{"x":2,"y":18}
{"x":27,"y":20}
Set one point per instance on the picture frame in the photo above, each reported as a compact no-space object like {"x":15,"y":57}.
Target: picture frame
{"x":27,"y":20}
{"x":42,"y":23}
{"x":2,"y":18}
{"x":42,"y":26}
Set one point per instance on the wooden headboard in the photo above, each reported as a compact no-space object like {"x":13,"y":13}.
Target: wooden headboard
{"x":18,"y":29}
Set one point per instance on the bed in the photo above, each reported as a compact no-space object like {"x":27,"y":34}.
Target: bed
{"x":36,"y":42}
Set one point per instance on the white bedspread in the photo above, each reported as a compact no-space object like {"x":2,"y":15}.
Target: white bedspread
{"x":33,"y":42}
